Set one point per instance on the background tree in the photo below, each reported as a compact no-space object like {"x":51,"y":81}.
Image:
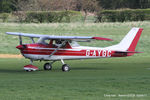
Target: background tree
{"x":62,"y":4}
{"x":44,"y":5}
{"x":117,"y":4}
{"x":87,"y":6}
{"x":78,"y":5}
{"x":6,"y":6}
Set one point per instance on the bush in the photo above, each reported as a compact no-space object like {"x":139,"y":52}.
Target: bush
{"x":4,"y":16}
{"x":123,"y":15}
{"x":50,"y":16}
{"x":20,"y":16}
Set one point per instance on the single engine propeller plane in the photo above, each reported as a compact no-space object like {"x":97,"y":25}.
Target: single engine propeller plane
{"x":60,"y":48}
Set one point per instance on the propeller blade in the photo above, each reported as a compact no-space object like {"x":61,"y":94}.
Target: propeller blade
{"x":20,"y":40}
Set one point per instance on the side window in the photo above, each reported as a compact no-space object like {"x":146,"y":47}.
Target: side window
{"x":74,"y":44}
{"x":46,"y":42}
{"x":57,"y":43}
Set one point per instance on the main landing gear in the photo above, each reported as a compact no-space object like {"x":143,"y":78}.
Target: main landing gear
{"x":48,"y":66}
{"x":65,"y":67}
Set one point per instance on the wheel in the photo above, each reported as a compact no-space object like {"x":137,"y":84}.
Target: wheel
{"x":65,"y":68}
{"x":29,"y":70}
{"x":47,"y":66}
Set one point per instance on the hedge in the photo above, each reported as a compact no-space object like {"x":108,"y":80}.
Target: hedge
{"x":123,"y":15}
{"x":50,"y":16}
{"x":4,"y":16}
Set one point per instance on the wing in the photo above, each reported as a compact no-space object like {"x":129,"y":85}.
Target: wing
{"x":25,"y":34}
{"x":58,"y":37}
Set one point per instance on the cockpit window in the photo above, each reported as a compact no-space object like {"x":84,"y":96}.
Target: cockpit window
{"x":57,"y":43}
{"x":44,"y":41}
{"x":74,"y":44}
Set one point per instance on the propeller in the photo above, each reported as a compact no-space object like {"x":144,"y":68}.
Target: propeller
{"x":20,"y":40}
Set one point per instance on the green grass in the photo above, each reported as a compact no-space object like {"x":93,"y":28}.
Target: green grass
{"x":88,"y":79}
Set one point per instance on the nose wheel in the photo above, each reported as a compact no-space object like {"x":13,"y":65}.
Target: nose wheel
{"x":30,"y":67}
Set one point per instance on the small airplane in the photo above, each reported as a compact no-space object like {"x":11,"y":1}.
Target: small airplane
{"x":60,"y":48}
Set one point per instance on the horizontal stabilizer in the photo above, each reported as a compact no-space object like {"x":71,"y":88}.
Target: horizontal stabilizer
{"x":124,"y":53}
{"x":128,"y":52}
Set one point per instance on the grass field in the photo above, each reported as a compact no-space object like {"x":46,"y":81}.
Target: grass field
{"x":88,"y":80}
{"x":96,"y":79}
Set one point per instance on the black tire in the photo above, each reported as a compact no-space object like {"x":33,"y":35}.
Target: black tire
{"x":47,"y":66}
{"x":29,"y":70}
{"x":65,"y":68}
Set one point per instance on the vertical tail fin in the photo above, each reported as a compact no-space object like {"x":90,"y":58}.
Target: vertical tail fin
{"x":129,"y":42}
{"x":135,"y":39}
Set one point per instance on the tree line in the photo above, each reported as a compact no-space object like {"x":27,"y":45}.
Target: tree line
{"x":77,"y":5}
{"x":118,"y":4}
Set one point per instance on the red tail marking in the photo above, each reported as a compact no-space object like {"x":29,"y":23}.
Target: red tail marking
{"x":135,"y":40}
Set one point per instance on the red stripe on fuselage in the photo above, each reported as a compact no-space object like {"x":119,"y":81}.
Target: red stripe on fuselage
{"x":59,"y":52}
{"x":40,"y":49}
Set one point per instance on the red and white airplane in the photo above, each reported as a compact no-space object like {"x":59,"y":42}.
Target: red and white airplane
{"x":60,"y":48}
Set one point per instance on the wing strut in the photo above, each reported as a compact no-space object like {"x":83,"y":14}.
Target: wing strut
{"x":57,"y":48}
{"x":32,"y":40}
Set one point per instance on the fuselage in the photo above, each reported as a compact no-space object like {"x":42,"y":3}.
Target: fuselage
{"x":38,"y":51}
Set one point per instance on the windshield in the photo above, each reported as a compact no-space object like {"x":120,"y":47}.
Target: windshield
{"x":43,"y":41}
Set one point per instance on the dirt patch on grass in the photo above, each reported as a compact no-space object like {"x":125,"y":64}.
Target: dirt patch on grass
{"x":10,"y":56}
